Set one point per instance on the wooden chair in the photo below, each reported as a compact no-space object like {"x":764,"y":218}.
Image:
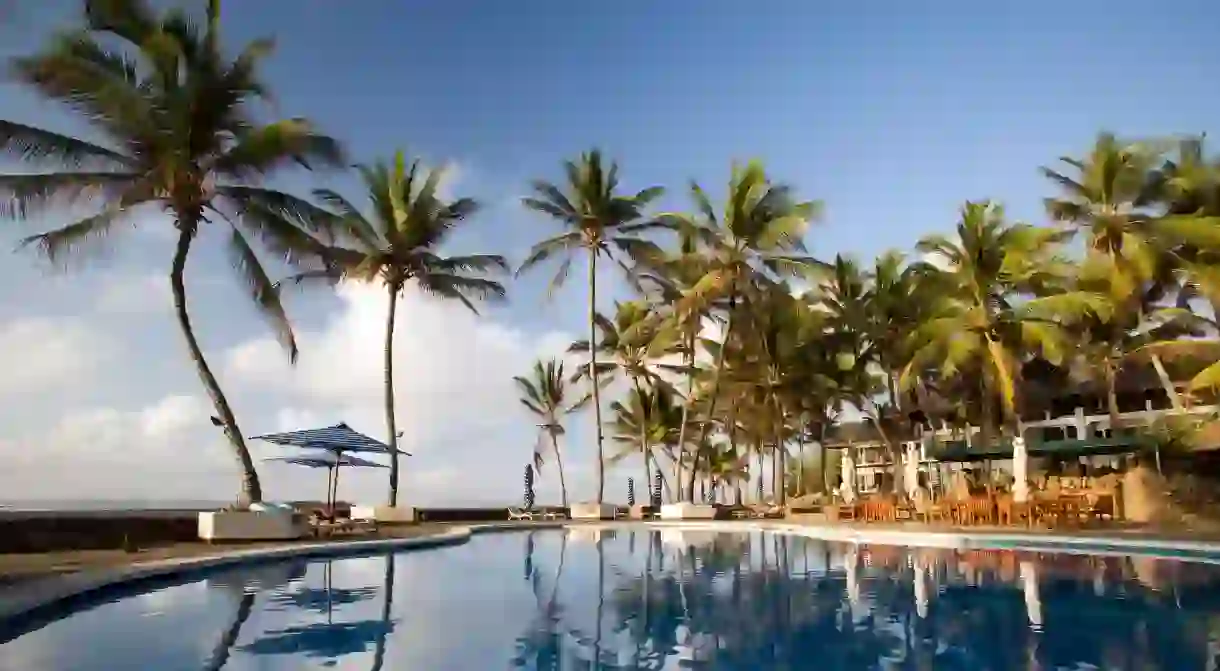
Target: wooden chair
{"x":978,"y":510}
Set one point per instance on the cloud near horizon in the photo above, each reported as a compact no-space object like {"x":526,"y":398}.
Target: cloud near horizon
{"x":455,"y":400}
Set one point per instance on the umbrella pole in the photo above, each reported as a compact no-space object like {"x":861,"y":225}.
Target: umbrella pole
{"x":334,"y":500}
{"x":330,"y":474}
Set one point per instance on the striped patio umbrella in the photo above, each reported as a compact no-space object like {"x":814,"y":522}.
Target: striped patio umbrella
{"x":331,"y":462}
{"x":529,"y":486}
{"x":337,"y":440}
{"x":656,"y":490}
{"x":631,"y":491}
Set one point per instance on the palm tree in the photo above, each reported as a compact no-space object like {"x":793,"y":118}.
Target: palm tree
{"x":145,"y":83}
{"x":398,"y":246}
{"x":643,"y":423}
{"x":545,"y":395}
{"x":1112,"y":200}
{"x":987,"y":315}
{"x":602,"y":222}
{"x":753,"y":238}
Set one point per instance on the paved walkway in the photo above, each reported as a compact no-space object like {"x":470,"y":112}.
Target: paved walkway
{"x":24,"y":567}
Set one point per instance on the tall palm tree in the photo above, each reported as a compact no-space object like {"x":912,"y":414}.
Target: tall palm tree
{"x":759,"y":234}
{"x":398,"y":246}
{"x":1113,"y":199}
{"x":602,"y":222}
{"x":988,"y":316}
{"x":545,"y":394}
{"x":175,"y":131}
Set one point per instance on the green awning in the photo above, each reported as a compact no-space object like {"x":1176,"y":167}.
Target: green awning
{"x":957,"y":450}
{"x":1091,"y":446}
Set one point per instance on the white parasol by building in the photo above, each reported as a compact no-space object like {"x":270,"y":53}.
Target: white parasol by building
{"x":910,"y":476}
{"x":847,"y":469}
{"x":1020,"y":470}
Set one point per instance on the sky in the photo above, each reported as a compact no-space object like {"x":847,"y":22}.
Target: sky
{"x":891,"y":113}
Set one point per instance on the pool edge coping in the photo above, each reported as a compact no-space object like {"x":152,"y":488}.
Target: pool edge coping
{"x":52,"y":591}
{"x":45,"y":593}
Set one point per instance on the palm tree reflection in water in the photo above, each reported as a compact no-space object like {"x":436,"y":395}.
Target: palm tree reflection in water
{"x":731,"y":601}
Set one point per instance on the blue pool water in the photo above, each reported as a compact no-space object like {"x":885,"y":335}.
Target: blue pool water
{"x":640,"y":599}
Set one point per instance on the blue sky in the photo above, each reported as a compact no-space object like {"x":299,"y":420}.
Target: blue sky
{"x":892,"y":113}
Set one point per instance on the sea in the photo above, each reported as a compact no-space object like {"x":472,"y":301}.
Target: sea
{"x":103,"y":505}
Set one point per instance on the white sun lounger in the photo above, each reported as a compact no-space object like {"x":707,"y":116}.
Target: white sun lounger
{"x":519,"y":514}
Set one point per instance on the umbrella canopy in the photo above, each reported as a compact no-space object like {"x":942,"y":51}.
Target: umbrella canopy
{"x":338,"y":438}
{"x":331,"y":461}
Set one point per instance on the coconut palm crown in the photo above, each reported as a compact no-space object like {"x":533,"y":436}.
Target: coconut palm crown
{"x":170,"y":126}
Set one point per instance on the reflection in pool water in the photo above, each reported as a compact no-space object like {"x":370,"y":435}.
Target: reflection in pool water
{"x":629,"y":598}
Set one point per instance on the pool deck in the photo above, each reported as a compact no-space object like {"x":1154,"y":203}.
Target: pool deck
{"x":36,"y":582}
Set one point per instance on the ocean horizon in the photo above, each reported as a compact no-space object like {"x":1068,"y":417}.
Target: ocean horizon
{"x":103,"y":505}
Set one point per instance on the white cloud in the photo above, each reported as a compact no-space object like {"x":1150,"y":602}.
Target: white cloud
{"x":124,"y":294}
{"x":455,"y":400}
{"x":456,"y":404}
{"x":44,"y":353}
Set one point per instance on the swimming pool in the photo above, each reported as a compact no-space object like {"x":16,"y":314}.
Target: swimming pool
{"x":635,"y":598}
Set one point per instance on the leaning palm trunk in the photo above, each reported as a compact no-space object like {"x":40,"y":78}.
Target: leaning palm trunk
{"x":390,"y":423}
{"x":1112,"y":397}
{"x":251,"y":490}
{"x":563,"y":485}
{"x":597,"y":399}
{"x":1166,"y":383}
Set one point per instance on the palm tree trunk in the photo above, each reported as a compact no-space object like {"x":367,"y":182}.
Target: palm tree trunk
{"x":563,"y":485}
{"x":758,"y":452}
{"x":251,"y":490}
{"x":711,"y":404}
{"x":645,"y":447}
{"x":390,"y":423}
{"x":1166,"y":383}
{"x":736,"y":456}
{"x":1112,"y":397}
{"x":597,"y":399}
{"x":689,"y":360}
{"x":800,"y":461}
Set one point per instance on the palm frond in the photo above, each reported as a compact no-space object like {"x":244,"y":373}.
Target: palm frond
{"x":23,"y":196}
{"x":34,"y":145}
{"x":263,"y":290}
{"x":78,"y":239}
{"x":275,"y":145}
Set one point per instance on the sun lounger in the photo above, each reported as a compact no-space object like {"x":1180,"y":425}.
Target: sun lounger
{"x":327,"y":527}
{"x":519,"y":514}
{"x":553,"y":515}
{"x":767,"y":512}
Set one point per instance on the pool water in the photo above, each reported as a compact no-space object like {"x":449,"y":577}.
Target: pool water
{"x":631,"y":598}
